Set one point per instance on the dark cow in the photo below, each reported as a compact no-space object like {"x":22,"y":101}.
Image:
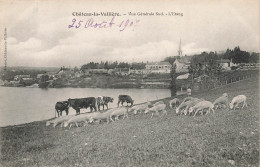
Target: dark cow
{"x":79,"y":103}
{"x":103,"y":100}
{"x":125,"y":98}
{"x":62,"y":106}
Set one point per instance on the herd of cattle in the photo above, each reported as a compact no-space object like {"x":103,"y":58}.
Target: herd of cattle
{"x":90,"y":102}
{"x":188,"y":106}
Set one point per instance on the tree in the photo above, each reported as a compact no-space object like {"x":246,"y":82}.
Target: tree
{"x":170,"y":59}
{"x":173,"y":86}
{"x":43,"y":81}
{"x":254,"y":58}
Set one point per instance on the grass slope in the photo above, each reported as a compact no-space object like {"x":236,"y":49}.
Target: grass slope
{"x":211,"y":140}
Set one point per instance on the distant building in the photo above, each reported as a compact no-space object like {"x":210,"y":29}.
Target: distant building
{"x":226,"y":63}
{"x":52,"y":74}
{"x":27,"y":79}
{"x":18,"y":77}
{"x":182,"y":64}
{"x":40,"y":75}
{"x":159,"y":67}
{"x":122,"y":71}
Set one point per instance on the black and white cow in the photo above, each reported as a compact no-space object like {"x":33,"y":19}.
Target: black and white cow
{"x":103,"y":100}
{"x":79,"y":103}
{"x":62,"y":106}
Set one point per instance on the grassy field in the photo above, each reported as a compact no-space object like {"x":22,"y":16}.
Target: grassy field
{"x":225,"y":138}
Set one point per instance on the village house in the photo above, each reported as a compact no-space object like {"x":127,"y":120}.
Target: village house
{"x":78,"y":74}
{"x":122,"y":71}
{"x":182,"y":64}
{"x":226,"y":64}
{"x":24,"y":77}
{"x":159,"y":67}
{"x":39,"y":76}
{"x":52,"y":74}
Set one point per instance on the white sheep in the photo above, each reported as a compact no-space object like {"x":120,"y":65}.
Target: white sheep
{"x":191,"y":103}
{"x":186,"y":102}
{"x":158,"y":102}
{"x":155,"y":109}
{"x":174,"y":102}
{"x":221,"y":100}
{"x":58,"y":120}
{"x":187,"y":99}
{"x":200,"y":106}
{"x":237,"y":100}
{"x":140,"y":107}
{"x":79,"y":118}
{"x":118,"y":112}
{"x":100,"y":116}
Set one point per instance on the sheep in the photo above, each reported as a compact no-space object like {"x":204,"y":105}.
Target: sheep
{"x":237,"y":100}
{"x":191,"y":103}
{"x":140,"y":107}
{"x":155,"y":109}
{"x":158,"y":102}
{"x":185,"y":103}
{"x":79,"y":118}
{"x":118,"y":112}
{"x":221,"y":100}
{"x":200,"y":106}
{"x":174,"y":102}
{"x":58,"y":120}
{"x":187,"y":99}
{"x":100,"y":116}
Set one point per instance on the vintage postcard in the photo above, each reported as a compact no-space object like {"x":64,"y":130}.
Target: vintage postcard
{"x":129,"y":83}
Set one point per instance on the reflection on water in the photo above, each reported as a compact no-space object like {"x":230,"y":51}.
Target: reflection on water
{"x":22,"y":105}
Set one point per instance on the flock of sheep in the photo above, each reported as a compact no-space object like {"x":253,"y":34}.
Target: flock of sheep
{"x":189,"y":106}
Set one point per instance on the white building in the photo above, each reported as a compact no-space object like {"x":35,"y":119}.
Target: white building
{"x":159,"y":67}
{"x":226,"y":64}
{"x":182,"y":64}
{"x":18,"y":77}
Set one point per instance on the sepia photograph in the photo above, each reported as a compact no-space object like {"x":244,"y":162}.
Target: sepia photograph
{"x":129,"y":83}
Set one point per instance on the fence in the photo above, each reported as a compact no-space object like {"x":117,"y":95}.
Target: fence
{"x":225,"y":79}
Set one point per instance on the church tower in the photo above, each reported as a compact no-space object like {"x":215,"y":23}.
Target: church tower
{"x":180,"y":51}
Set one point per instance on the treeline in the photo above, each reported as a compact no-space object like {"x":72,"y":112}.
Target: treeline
{"x":236,"y":55}
{"x":240,"y":56}
{"x":106,"y":65}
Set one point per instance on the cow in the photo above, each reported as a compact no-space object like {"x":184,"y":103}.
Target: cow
{"x":79,"y":103}
{"x":62,"y":106}
{"x":125,"y":98}
{"x":103,"y":100}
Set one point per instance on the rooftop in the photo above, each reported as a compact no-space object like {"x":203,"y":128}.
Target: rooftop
{"x":159,"y":63}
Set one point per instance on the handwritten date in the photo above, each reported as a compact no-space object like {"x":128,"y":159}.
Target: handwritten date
{"x":91,"y":23}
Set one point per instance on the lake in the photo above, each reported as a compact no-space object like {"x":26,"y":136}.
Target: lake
{"x":20,"y":105}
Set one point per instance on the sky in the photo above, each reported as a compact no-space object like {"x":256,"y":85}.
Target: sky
{"x":38,"y":34}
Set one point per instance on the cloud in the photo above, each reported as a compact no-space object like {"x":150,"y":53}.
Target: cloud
{"x":12,"y":41}
{"x":32,"y":44}
{"x":192,"y":48}
{"x":39,"y":35}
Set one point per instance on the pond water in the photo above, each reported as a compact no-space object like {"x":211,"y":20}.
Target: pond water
{"x":20,"y":105}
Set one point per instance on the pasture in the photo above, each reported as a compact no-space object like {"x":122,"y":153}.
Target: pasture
{"x":225,"y":138}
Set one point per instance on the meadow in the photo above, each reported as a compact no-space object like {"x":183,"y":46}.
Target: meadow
{"x":224,"y":138}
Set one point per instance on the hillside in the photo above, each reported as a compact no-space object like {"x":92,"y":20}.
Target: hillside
{"x":220,"y":139}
